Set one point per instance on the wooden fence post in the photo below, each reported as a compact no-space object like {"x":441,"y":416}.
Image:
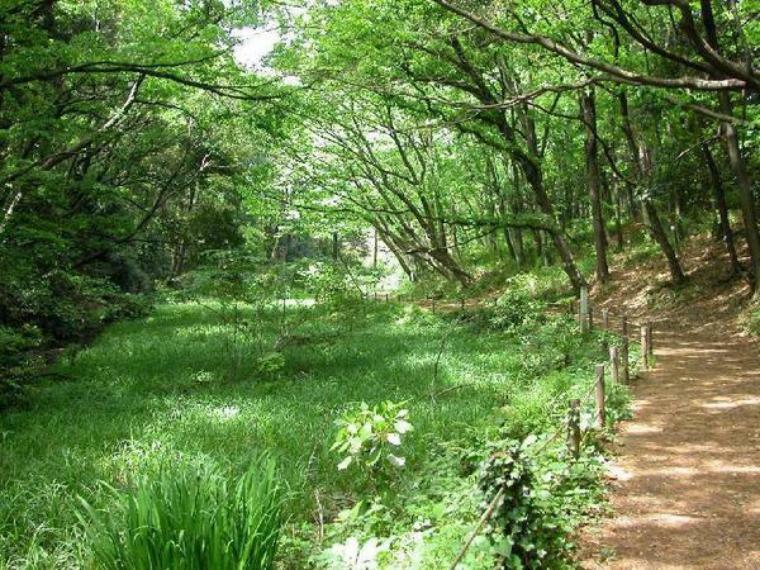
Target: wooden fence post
{"x":624,"y":359}
{"x":625,"y":326}
{"x":433,"y":303}
{"x":650,"y":340}
{"x":583,"y":310}
{"x":590,"y":318}
{"x":461,"y":304}
{"x":574,"y":428}
{"x":615,"y":364}
{"x":387,"y":297}
{"x":599,"y":393}
{"x":645,"y":347}
{"x":606,"y":318}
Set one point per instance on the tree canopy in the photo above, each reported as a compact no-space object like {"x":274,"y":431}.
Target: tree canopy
{"x":135,"y":142}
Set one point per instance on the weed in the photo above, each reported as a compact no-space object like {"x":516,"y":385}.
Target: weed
{"x":189,"y":518}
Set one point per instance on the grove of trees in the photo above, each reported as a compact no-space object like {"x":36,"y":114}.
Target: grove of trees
{"x":147,"y":158}
{"x":133,"y":141}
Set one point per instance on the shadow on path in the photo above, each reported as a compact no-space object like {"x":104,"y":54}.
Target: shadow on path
{"x":686,"y":482}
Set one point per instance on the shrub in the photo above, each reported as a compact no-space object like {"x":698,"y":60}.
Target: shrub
{"x":14,"y":342}
{"x":517,"y":308}
{"x":327,"y":283}
{"x":189,"y":519}
{"x":15,"y":347}
{"x":366,"y":435}
{"x":532,"y":520}
{"x":67,"y":306}
{"x":128,"y":306}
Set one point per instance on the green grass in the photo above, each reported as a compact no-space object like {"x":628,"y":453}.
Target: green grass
{"x":163,"y":390}
{"x":185,"y":518}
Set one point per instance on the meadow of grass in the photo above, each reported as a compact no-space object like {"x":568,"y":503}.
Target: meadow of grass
{"x":182,"y":387}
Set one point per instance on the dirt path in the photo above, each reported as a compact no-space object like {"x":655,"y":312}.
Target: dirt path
{"x":685,"y":485}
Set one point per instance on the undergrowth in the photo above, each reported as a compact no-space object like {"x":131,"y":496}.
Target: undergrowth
{"x":188,"y":518}
{"x":160,"y":391}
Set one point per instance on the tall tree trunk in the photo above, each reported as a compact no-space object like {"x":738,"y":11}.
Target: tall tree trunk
{"x":588,"y":108}
{"x":534,"y":177}
{"x":335,"y":246}
{"x":738,"y":164}
{"x":374,"y":249}
{"x":180,"y":256}
{"x":446,"y":264}
{"x":654,"y":225}
{"x":618,"y":219}
{"x":563,"y":249}
{"x":507,"y":231}
{"x":749,"y":212}
{"x":538,"y":240}
{"x":455,"y":237}
{"x":727,"y":233}
{"x":8,"y":211}
{"x":567,"y":211}
{"x":633,"y":148}
{"x":548,"y":258}
{"x":517,"y":208}
{"x":608,"y":199}
{"x":642,"y":163}
{"x":391,"y":245}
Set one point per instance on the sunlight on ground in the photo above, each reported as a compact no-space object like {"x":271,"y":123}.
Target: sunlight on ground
{"x":638,"y":429}
{"x":731,"y":404}
{"x":658,"y":519}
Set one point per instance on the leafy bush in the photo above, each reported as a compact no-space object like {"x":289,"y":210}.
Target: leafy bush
{"x":68,"y":306}
{"x":517,"y":524}
{"x":366,"y":435}
{"x":270,"y":364}
{"x":14,"y":342}
{"x":128,"y":306}
{"x":517,"y":308}
{"x":190,"y":519}
{"x":326,"y":282}
{"x":543,"y":499}
{"x":550,"y":346}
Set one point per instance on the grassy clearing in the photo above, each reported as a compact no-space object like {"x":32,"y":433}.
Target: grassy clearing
{"x":164,"y":390}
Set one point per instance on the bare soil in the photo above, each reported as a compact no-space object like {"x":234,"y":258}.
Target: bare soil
{"x":685,"y":481}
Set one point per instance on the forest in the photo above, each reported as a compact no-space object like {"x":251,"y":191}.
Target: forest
{"x":328,"y":283}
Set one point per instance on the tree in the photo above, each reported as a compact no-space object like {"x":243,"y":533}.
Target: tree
{"x":697,"y":64}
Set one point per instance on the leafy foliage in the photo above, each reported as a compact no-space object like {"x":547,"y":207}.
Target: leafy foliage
{"x":391,"y":145}
{"x":517,"y":309}
{"x":539,"y":507}
{"x":190,"y":518}
{"x":155,"y":392}
{"x":369,"y":435}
